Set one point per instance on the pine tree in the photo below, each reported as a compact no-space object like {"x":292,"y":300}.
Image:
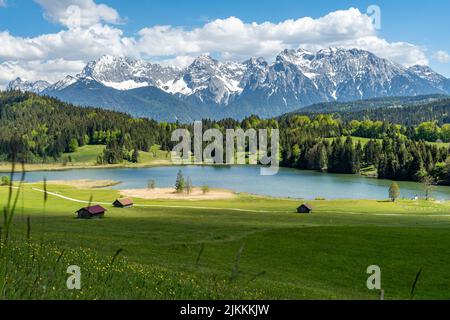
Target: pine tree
{"x":349,"y":157}
{"x":135,"y":156}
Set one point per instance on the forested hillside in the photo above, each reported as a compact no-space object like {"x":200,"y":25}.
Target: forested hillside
{"x":408,"y":111}
{"x":40,"y":129}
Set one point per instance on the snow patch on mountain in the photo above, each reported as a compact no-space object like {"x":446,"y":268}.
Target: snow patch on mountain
{"x":126,"y":85}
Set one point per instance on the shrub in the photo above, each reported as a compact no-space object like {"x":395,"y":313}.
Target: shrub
{"x":205,"y":189}
{"x":4,"y":181}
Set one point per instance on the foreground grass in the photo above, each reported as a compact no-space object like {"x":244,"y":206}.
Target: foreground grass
{"x":33,"y":271}
{"x":195,"y":245}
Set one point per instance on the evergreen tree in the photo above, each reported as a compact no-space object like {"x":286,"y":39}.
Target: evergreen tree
{"x":180,"y":182}
{"x":135,"y":156}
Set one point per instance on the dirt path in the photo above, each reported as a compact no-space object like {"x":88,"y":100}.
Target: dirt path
{"x":161,"y":206}
{"x":221,"y":209}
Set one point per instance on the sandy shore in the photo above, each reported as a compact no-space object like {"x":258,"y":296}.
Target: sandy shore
{"x":170,"y":193}
{"x":84,"y":183}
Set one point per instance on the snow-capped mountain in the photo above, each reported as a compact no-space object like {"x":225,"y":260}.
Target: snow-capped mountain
{"x":23,"y":85}
{"x":62,"y":84}
{"x":428,"y":74}
{"x":297,"y":78}
{"x":339,"y":74}
{"x":127,"y":73}
{"x":209,"y":81}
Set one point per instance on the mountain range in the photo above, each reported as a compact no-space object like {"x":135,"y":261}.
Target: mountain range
{"x":209,"y":88}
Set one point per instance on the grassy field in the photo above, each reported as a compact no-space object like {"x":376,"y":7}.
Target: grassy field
{"x":249,"y":247}
{"x":86,"y":157}
{"x":86,"y":154}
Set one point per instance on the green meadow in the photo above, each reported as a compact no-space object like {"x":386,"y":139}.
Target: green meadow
{"x":249,"y":247}
{"x":88,"y":154}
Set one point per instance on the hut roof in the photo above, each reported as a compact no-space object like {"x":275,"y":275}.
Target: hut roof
{"x":307,"y":206}
{"x":125,"y":202}
{"x":94,"y":210}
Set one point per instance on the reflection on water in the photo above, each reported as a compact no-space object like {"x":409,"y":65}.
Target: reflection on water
{"x":288,"y":182}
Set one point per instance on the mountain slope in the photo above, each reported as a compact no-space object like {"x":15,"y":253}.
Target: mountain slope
{"x":148,"y":102}
{"x":368,"y":104}
{"x":408,"y":111}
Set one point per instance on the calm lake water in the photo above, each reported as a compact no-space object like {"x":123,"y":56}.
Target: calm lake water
{"x":288,"y":182}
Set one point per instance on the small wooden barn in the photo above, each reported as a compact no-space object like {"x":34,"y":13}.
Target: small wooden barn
{"x":123,"y":203}
{"x":91,"y":212}
{"x":305,"y":208}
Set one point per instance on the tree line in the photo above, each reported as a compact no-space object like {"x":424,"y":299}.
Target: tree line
{"x":39,"y":129}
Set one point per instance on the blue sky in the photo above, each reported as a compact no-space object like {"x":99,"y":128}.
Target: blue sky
{"x":37,"y":39}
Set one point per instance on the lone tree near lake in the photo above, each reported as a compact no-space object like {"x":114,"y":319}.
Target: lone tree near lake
{"x":394,"y":191}
{"x":180,"y":183}
{"x":428,"y":184}
{"x":151,"y":184}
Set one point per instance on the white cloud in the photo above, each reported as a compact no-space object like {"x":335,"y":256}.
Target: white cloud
{"x":3,"y":3}
{"x":230,"y":39}
{"x":50,"y":70}
{"x":71,"y":44}
{"x":403,"y":53}
{"x":234,"y":37}
{"x":78,"y":13}
{"x":442,"y":56}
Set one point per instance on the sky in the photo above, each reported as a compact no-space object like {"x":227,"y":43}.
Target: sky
{"x":49,"y":39}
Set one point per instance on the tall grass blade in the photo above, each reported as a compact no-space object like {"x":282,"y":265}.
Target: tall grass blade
{"x":413,"y":288}
{"x":202,"y":248}
{"x":28,"y":228}
{"x":235,"y":270}
{"x":115,"y":256}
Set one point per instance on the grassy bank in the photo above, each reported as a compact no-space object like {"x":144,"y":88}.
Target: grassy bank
{"x":247,"y":247}
{"x":86,"y":157}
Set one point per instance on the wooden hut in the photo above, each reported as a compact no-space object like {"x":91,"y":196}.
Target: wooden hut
{"x":91,"y":212}
{"x":305,"y":208}
{"x":123,"y":203}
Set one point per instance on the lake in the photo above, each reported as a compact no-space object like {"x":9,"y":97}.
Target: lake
{"x":287,"y":183}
